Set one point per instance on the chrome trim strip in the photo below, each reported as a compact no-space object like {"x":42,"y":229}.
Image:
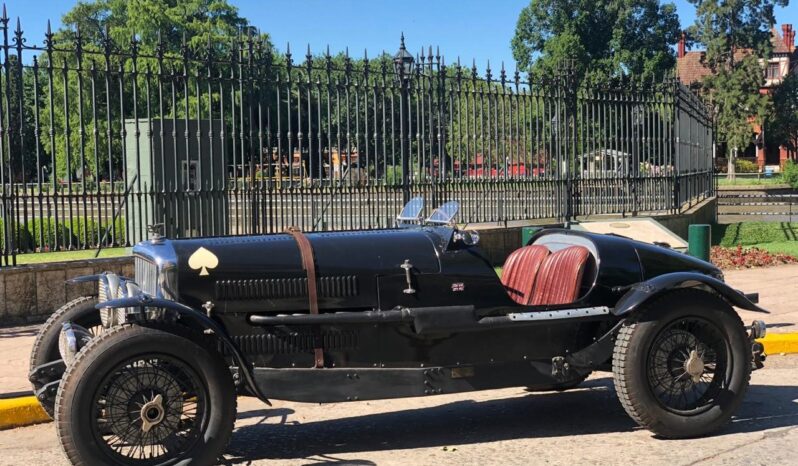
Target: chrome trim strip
{"x":560,"y":314}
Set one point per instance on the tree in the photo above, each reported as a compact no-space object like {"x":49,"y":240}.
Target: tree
{"x":92,"y":95}
{"x":736,"y":34}
{"x":600,"y":38}
{"x":783,"y":121}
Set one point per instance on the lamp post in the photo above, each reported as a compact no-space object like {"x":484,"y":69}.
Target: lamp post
{"x":403,"y":66}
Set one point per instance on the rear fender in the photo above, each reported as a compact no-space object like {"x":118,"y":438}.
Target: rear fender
{"x":642,"y":292}
{"x":142,"y":301}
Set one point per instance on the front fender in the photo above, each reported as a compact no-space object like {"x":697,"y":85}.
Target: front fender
{"x":143,"y":300}
{"x":642,"y":292}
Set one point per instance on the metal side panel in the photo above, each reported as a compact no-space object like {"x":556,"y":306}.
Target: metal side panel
{"x":331,"y":385}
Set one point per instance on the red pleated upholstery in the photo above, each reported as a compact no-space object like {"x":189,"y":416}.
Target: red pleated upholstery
{"x":520,"y":270}
{"x":560,"y":276}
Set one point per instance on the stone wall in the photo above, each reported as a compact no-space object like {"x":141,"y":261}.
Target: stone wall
{"x":30,"y":293}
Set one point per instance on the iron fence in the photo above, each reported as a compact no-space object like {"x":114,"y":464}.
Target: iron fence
{"x":101,"y":139}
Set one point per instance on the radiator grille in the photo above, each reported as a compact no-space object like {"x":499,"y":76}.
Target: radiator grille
{"x":146,"y":276}
{"x":338,"y":286}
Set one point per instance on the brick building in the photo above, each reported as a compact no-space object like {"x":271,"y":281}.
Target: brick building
{"x":784,"y":60}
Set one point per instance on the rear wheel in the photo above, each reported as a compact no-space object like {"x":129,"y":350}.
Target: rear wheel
{"x":139,"y":395}
{"x":80,"y":311}
{"x":682,"y":369}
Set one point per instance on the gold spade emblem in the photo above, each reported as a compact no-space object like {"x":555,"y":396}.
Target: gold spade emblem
{"x":203,"y":259}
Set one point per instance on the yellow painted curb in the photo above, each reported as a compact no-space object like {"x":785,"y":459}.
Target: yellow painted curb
{"x":777,"y":343}
{"x":23,"y":411}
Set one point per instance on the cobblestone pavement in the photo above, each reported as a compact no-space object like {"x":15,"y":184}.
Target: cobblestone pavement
{"x":510,"y":426}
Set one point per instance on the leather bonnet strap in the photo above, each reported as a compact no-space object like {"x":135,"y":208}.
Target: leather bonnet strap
{"x":309,"y":264}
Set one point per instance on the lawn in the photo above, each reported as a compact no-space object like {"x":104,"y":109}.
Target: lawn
{"x":750,"y":181}
{"x":40,"y":257}
{"x":777,"y":237}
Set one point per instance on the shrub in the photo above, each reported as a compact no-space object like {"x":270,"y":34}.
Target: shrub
{"x":22,"y":238}
{"x":745,"y":166}
{"x":393,"y":174}
{"x":46,"y":234}
{"x":94,"y":232}
{"x":790,"y":174}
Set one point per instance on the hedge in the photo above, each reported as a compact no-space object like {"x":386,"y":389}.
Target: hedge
{"x":65,"y":233}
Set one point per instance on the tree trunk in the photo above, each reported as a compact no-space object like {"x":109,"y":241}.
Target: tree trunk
{"x":730,"y":170}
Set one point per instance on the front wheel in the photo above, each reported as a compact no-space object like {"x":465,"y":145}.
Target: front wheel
{"x":137,"y":395}
{"x":682,"y":368}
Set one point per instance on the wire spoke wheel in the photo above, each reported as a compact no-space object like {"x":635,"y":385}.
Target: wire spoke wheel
{"x":149,"y":408}
{"x":687,"y":365}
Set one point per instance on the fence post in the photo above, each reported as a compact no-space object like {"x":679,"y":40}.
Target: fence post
{"x":404,"y":129}
{"x":675,"y":140}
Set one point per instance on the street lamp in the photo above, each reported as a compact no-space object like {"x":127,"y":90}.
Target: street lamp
{"x":403,"y":66}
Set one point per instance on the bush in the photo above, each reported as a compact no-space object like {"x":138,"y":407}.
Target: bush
{"x":745,"y":166}
{"x":790,"y":174}
{"x":22,"y":238}
{"x":45,"y":234}
{"x":393,"y":174}
{"x":94,"y":232}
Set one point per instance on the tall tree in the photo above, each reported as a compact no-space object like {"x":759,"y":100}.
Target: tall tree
{"x":736,"y":34}
{"x":120,"y":29}
{"x":783,"y":121}
{"x":603,"y":38}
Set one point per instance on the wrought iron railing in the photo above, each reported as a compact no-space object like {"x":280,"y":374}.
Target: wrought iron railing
{"x":238,"y":139}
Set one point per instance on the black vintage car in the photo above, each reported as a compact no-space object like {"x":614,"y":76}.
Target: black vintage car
{"x":148,"y":371}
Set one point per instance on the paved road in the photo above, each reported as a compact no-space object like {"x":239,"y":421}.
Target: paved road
{"x":510,"y":426}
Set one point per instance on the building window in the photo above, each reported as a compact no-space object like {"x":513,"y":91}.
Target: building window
{"x":773,"y":71}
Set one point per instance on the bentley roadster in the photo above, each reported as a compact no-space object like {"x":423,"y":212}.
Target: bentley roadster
{"x":147,"y":371}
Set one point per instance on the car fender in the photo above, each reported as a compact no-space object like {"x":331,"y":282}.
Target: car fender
{"x":200,"y":318}
{"x":642,"y":292}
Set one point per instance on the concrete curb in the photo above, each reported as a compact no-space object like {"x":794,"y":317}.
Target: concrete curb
{"x":780,"y":343}
{"x":19,"y":412}
{"x":25,"y":410}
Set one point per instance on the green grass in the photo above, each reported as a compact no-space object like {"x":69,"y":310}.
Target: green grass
{"x":42,"y":257}
{"x":753,"y":233}
{"x":782,"y":247}
{"x":750,"y":181}
{"x":777,"y":237}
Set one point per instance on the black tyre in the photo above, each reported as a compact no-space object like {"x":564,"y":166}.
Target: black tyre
{"x":138,"y":395}
{"x":682,"y":368}
{"x":45,"y":348}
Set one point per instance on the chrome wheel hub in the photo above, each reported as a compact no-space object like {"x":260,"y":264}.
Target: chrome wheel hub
{"x":694,"y":366}
{"x":152,"y":413}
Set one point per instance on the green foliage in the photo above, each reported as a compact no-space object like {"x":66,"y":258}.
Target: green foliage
{"x":93,"y":232}
{"x":20,"y":235}
{"x":745,"y":166}
{"x":726,"y":29}
{"x":393,"y":174}
{"x":600,"y":38}
{"x":782,"y":124}
{"x":790,"y":174}
{"x":751,"y":233}
{"x":735,"y":95}
{"x":45,"y":234}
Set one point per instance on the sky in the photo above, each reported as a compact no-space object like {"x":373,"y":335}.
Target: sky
{"x":469,"y":29}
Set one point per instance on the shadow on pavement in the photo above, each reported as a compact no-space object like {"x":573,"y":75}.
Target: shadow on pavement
{"x":591,"y":409}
